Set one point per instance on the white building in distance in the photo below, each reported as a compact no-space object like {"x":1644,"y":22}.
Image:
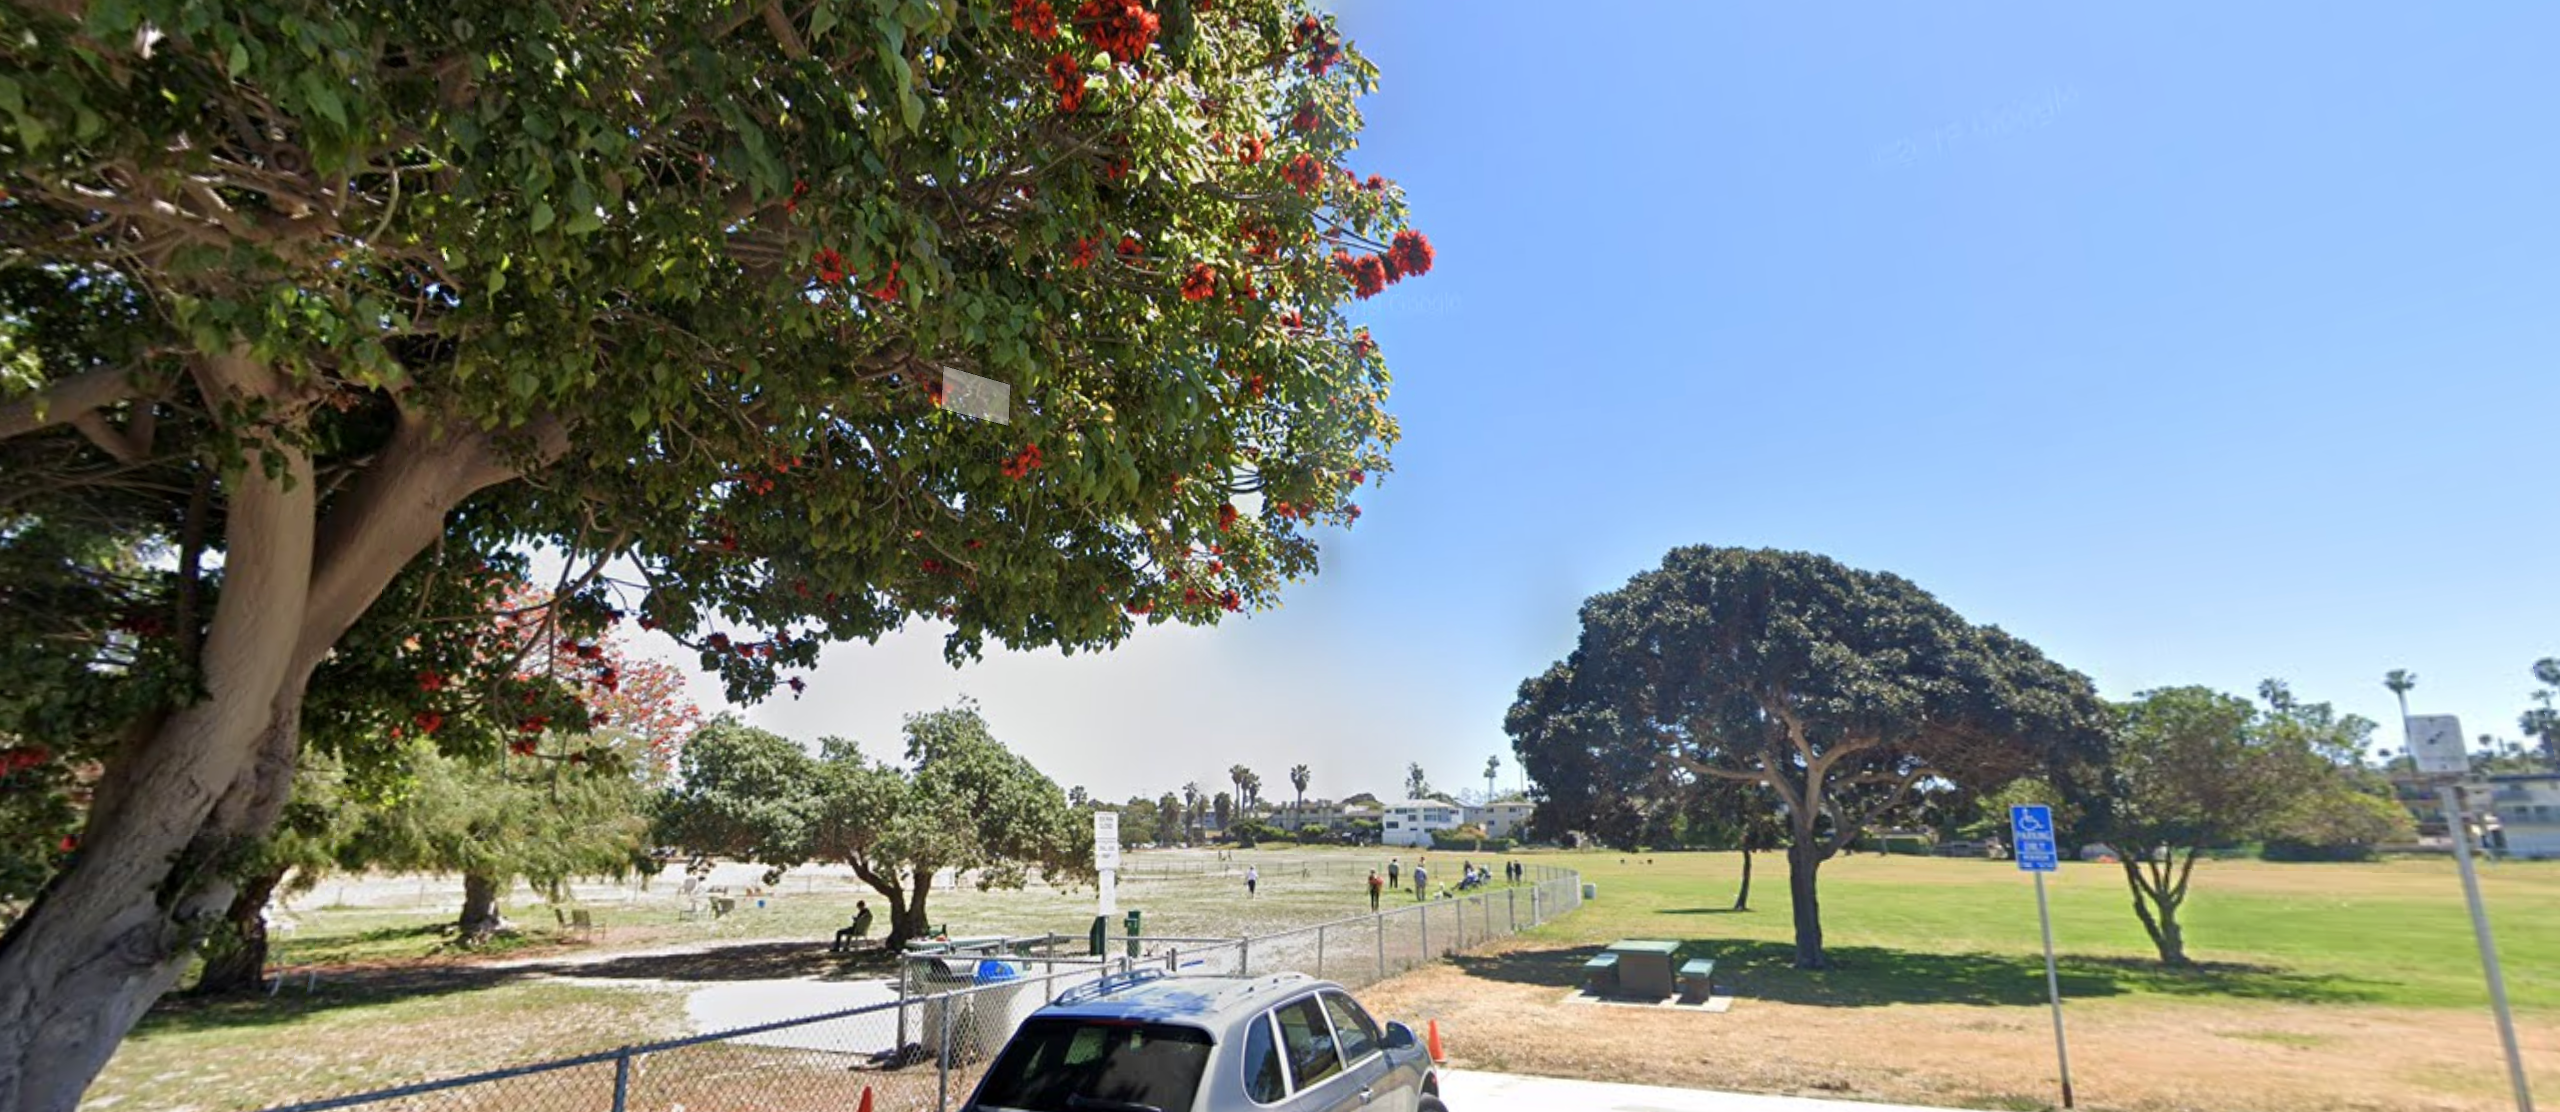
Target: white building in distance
{"x":1411,"y":822}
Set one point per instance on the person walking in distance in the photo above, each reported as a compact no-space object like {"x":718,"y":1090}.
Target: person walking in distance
{"x":1392,"y":870}
{"x":1421,"y":881}
{"x":1252,"y":879}
{"x":1375,"y":886}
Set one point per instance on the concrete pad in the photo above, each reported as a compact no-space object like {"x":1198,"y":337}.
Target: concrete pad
{"x":1472,"y":1091}
{"x":733,"y":1004}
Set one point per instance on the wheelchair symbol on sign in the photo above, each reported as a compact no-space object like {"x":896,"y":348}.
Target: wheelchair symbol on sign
{"x":2029,"y":823}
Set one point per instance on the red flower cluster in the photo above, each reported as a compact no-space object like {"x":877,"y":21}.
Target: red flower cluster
{"x":1034,"y":18}
{"x":1263,"y":240}
{"x":799,"y":189}
{"x":1322,"y":52}
{"x":1021,"y":464}
{"x":1251,"y":152}
{"x":1352,"y":512}
{"x":1410,"y":253}
{"x":756,"y":484}
{"x":1253,"y":386}
{"x":1191,"y":596}
{"x":1308,"y":27}
{"x":889,"y":285}
{"x":1120,"y":28}
{"x":22,"y":758}
{"x":1231,"y":600}
{"x":522,"y":747}
{"x":1375,"y":184}
{"x":1141,"y":608}
{"x":535,"y":724}
{"x":1083,"y":256}
{"x":719,"y":642}
{"x":428,"y":721}
{"x":1305,"y":118}
{"x":1200,"y":283}
{"x":798,"y":685}
{"x":1358,"y":476}
{"x":1116,"y":169}
{"x":830,"y":266}
{"x":430,"y":681}
{"x":1291,"y":319}
{"x":1242,"y":288}
{"x":1304,"y":172}
{"x":1067,"y":77}
{"x":1130,"y":248}
{"x":1226,"y":516}
{"x":1362,"y":345}
{"x":1368,"y":276}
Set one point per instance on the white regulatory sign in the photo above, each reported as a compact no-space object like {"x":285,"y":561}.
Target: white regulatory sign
{"x":2435,"y":743}
{"x":1106,"y":841}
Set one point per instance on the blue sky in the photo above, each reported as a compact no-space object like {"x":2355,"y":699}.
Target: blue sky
{"x":2192,"y":343}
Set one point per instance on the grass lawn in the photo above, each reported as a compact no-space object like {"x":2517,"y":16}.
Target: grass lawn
{"x":1918,"y":930}
{"x":2320,"y":987}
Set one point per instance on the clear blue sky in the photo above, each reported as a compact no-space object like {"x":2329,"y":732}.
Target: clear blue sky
{"x":2193,"y":343}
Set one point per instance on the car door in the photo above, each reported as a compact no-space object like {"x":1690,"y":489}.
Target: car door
{"x":1363,"y":1047}
{"x":1318,"y":1081}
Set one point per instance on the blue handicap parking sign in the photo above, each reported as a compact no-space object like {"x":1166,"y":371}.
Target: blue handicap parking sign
{"x":2031,"y":832}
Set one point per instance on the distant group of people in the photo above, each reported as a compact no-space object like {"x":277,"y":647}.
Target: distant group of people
{"x":1469,"y":877}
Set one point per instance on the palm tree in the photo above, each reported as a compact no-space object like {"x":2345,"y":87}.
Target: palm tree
{"x":1237,"y":776}
{"x":1298,"y":777}
{"x":1492,"y":765}
{"x":1190,"y":811}
{"x":2400,"y":680}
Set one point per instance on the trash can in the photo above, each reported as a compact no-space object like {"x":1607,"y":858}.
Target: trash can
{"x":1590,"y":891}
{"x":1004,"y":998}
{"x":942,"y":981}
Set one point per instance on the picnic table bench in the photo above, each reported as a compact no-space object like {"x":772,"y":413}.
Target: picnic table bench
{"x":1600,"y":974}
{"x":1644,"y":966}
{"x":1697,"y":980}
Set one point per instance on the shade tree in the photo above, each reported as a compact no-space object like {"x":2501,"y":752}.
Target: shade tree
{"x":305,"y":297}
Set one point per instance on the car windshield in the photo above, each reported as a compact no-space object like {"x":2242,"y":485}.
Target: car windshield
{"x":1078,"y":1065}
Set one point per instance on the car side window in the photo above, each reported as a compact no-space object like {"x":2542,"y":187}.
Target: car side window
{"x":1352,"y":1026}
{"x":1307,"y":1040}
{"x":1262,"y":1079}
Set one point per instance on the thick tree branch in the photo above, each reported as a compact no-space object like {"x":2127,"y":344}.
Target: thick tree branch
{"x":64,"y":400}
{"x":105,"y":436}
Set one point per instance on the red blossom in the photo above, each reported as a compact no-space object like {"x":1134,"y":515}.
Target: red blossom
{"x":1305,"y":118}
{"x":1251,"y":152}
{"x":1191,"y":596}
{"x":830,"y":266}
{"x":1141,"y":608}
{"x":1352,"y":512}
{"x":719,"y":642}
{"x":535,"y":724}
{"x":68,"y":843}
{"x":1034,"y":18}
{"x":1308,"y":27}
{"x":799,"y":189}
{"x":1120,"y":28}
{"x":428,"y":721}
{"x":798,"y":685}
{"x":430,"y":681}
{"x":1375,"y":184}
{"x":1368,"y":276}
{"x":523,"y":747}
{"x":1226,"y":516}
{"x":1304,"y":172}
{"x":1412,"y":253}
{"x":1130,"y":248}
{"x":1362,"y":345}
{"x":1021,"y":464}
{"x":1083,"y":256}
{"x":889,"y":286}
{"x":1358,"y":476}
{"x":1253,"y":386}
{"x":1066,"y":76}
{"x":1116,"y":169}
{"x":1231,"y":600}
{"x":1200,"y":283}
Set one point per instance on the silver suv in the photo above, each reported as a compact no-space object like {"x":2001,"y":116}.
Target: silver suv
{"x":1156,"y":1042}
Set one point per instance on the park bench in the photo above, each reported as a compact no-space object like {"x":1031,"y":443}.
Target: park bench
{"x":1697,"y":980}
{"x":1600,"y":974}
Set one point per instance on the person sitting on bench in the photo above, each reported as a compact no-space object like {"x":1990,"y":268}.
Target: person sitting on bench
{"x":861,"y":926}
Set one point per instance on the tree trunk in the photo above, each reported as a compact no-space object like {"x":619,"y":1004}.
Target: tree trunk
{"x":235,"y":961}
{"x":1742,"y":896}
{"x":2163,"y":928}
{"x":479,"y":909}
{"x":114,"y":930}
{"x":1804,"y":860}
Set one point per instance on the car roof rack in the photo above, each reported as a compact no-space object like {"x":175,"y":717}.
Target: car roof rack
{"x":1110,"y":983}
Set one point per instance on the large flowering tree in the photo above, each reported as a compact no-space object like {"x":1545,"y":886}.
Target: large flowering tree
{"x":302,"y":305}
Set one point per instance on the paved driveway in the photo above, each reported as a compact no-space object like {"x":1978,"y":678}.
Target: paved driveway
{"x":1469,"y":1091}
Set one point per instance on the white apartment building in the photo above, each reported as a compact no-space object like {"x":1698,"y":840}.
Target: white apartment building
{"x":1411,"y":822}
{"x":1507,"y":818}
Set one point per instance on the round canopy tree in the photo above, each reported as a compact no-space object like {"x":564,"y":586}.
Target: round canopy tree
{"x":292,"y":294}
{"x":1839,"y":690}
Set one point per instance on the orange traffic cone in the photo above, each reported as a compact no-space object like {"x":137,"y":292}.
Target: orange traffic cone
{"x":1438,"y":1056}
{"x":866,"y":1099}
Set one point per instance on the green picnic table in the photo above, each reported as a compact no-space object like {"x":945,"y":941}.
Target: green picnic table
{"x":1644,"y":966}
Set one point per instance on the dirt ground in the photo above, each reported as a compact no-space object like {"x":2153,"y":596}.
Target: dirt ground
{"x":2136,"y":1055}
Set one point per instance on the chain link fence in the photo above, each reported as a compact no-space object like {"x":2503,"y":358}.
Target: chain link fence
{"x":924,"y":1052}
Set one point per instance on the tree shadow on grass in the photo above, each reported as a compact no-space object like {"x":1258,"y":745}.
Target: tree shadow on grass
{"x":755,"y":961}
{"x":1706,"y":911}
{"x":1873,"y":976}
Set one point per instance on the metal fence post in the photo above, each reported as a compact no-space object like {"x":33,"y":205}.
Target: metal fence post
{"x":1382,"y":945}
{"x":1244,"y":956}
{"x":1319,"y":951}
{"x":622,"y":1080}
{"x":1426,"y":932}
{"x":1511,"y":910}
{"x":943,"y":1099}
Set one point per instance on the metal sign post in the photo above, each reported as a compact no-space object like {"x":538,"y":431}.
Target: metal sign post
{"x":2031,"y":831}
{"x":2435,"y":746}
